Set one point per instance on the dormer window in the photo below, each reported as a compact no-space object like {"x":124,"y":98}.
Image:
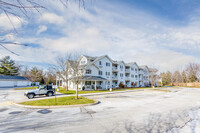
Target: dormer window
{"x":121,"y":67}
{"x":88,"y":71}
{"x":82,"y":62}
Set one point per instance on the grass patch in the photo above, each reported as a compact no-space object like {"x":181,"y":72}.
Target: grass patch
{"x":26,"y":88}
{"x":60,"y":101}
{"x":63,"y":91}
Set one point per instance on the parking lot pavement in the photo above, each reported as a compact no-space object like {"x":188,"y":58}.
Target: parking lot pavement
{"x":141,"y":111}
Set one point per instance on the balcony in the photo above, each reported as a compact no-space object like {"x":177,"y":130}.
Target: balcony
{"x":127,"y":78}
{"x":140,"y":72}
{"x":114,"y":69}
{"x":127,"y":70}
{"x":114,"y":78}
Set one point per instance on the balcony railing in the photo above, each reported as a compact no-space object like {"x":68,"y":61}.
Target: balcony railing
{"x":115,"y":77}
{"x":114,"y":68}
{"x":127,"y":78}
{"x":140,"y":72}
{"x":127,"y":70}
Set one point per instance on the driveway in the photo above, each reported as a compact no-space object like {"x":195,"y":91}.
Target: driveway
{"x":140,"y":111}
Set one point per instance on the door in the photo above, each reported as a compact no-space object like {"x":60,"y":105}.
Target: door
{"x":42,"y":91}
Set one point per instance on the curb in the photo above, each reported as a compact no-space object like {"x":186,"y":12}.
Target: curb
{"x":111,"y":92}
{"x":56,"y":107}
{"x":87,"y":94}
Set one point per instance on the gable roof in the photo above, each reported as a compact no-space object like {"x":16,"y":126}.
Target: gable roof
{"x":130,"y":63}
{"x":153,"y":70}
{"x":144,"y":66}
{"x":7,"y":77}
{"x":96,"y":58}
{"x":119,"y":62}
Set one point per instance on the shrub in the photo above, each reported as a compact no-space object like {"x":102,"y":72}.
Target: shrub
{"x":121,"y":85}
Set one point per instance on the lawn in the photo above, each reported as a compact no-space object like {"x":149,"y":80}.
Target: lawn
{"x":26,"y":88}
{"x":60,"y":101}
{"x":63,"y":91}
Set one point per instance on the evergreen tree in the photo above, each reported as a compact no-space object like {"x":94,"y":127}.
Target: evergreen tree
{"x":166,"y":78}
{"x":8,"y":66}
{"x":36,"y":75}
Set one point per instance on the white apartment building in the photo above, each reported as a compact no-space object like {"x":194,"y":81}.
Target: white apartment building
{"x":103,"y":73}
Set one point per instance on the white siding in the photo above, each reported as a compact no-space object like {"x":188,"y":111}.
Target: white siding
{"x":105,"y":69}
{"x":7,"y":83}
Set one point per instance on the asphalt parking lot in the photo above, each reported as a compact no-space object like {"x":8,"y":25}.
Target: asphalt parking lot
{"x":140,"y":111}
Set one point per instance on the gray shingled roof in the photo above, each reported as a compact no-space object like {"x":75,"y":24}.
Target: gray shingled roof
{"x":7,"y":77}
{"x":92,"y":78}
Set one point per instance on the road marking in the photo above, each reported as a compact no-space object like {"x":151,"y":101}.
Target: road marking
{"x":6,"y":103}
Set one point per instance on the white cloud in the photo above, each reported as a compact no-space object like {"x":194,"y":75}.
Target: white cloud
{"x":7,"y":24}
{"x":41,"y":29}
{"x":52,"y":18}
{"x":137,"y":36}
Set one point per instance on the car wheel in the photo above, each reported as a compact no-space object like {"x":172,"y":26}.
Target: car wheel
{"x":30,"y":96}
{"x":49,"y":94}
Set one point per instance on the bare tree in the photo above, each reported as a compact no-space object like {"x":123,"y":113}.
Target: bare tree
{"x":62,"y":68}
{"x":50,"y":77}
{"x":23,"y":9}
{"x":184,"y":76}
{"x":193,"y":72}
{"x":18,"y":9}
{"x":176,"y":77}
{"x":153,"y":77}
{"x":76,"y":71}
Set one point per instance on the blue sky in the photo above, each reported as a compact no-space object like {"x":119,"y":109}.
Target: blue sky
{"x":159,"y":33}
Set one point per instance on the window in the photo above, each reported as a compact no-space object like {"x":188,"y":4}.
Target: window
{"x":135,"y":69}
{"x":121,"y":75}
{"x":82,"y":62}
{"x":135,"y":76}
{"x":132,"y":69}
{"x":132,"y":76}
{"x":107,"y":64}
{"x":87,"y":82}
{"x":107,"y":73}
{"x":108,"y":82}
{"x":100,"y":73}
{"x":88,"y":71}
{"x":100,"y":63}
{"x":121,"y":67}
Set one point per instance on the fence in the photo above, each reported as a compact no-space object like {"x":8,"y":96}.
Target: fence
{"x":187,"y":84}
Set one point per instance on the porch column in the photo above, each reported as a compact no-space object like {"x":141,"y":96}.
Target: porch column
{"x":59,"y":82}
{"x":106,"y":85}
{"x":95,"y":85}
{"x":81,"y":85}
